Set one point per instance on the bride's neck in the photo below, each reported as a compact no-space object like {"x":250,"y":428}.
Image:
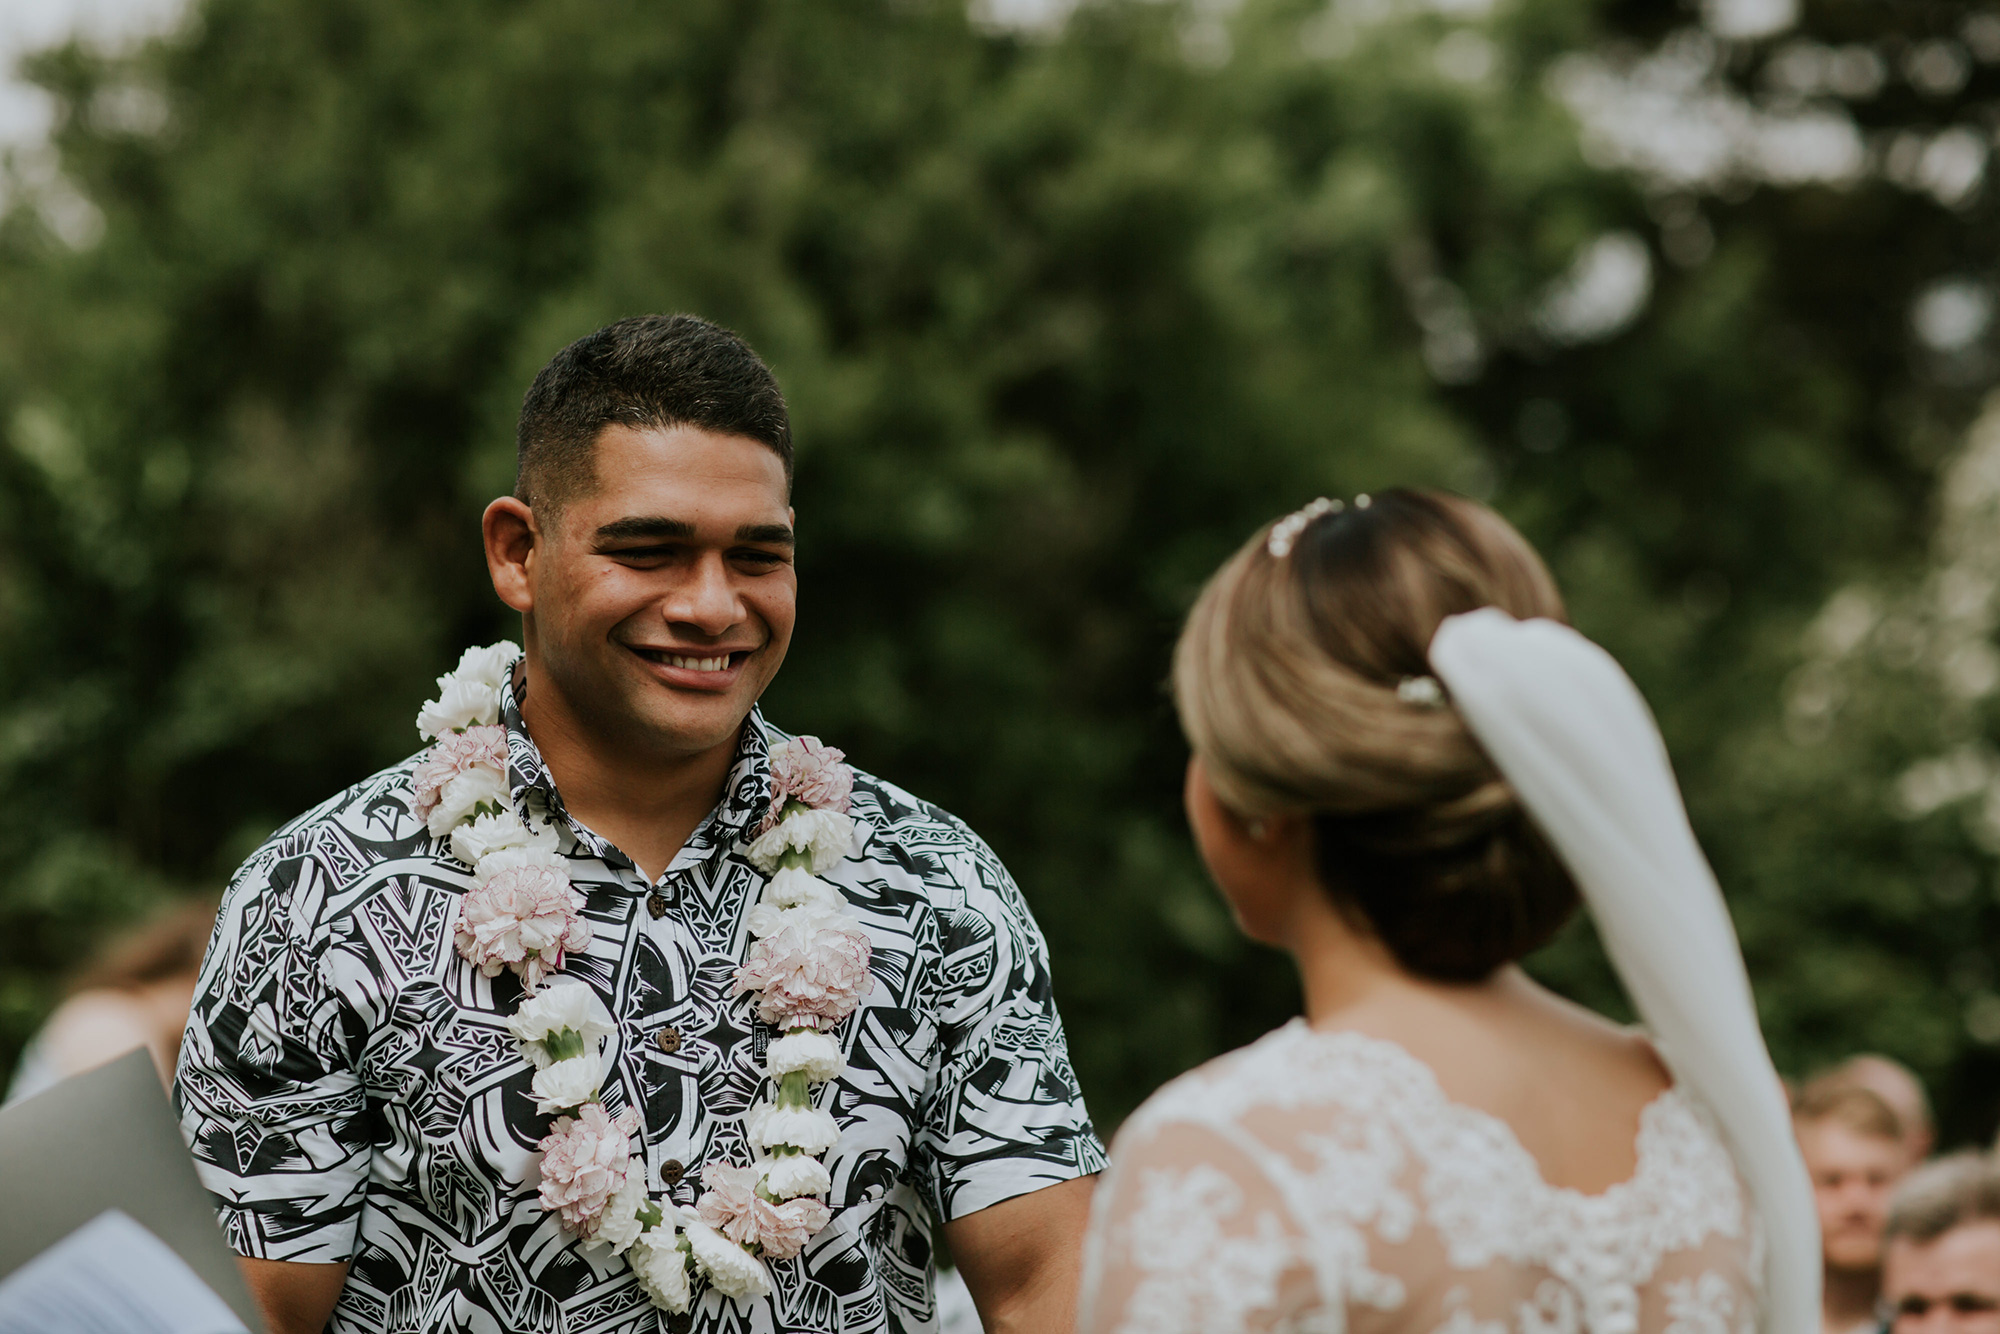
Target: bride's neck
{"x":1350,"y":980}
{"x":1341,"y":970}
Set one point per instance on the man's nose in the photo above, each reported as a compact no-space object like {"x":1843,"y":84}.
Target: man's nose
{"x":706,"y":600}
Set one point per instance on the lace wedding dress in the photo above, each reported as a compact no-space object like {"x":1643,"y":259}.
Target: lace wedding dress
{"x":1315,"y":1183}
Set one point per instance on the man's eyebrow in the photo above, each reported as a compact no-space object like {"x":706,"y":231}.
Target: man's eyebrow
{"x":657,"y":526}
{"x":651,"y":525}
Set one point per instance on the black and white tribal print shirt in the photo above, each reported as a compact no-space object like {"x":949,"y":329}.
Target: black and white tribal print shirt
{"x":351,"y":1092}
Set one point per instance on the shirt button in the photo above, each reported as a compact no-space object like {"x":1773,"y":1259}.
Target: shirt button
{"x":680,"y":1324}
{"x":657,"y":904}
{"x":668,"y":1040}
{"x":672,"y":1170}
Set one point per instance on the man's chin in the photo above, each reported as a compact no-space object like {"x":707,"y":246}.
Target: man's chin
{"x":689,"y":726}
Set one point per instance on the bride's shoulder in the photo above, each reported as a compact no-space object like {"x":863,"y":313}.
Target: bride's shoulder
{"x":1342,"y":1074}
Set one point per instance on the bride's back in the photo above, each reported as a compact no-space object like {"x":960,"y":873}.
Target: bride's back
{"x":1569,"y":1086}
{"x":1325,"y":1181}
{"x":1441,"y":1144}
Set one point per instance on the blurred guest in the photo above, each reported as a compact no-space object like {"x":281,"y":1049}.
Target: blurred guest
{"x":1941,"y":1273}
{"x":136,"y":994}
{"x":1896,"y":1084}
{"x":1856,"y":1152}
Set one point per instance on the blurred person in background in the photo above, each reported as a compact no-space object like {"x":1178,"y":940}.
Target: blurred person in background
{"x":1856,"y":1151}
{"x":1898,"y":1086}
{"x":135,"y":994}
{"x":1941,"y":1268}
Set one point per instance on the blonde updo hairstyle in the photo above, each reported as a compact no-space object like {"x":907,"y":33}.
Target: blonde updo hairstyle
{"x":1286,"y":678}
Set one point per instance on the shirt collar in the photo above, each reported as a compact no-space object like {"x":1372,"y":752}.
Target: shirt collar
{"x":745,"y":793}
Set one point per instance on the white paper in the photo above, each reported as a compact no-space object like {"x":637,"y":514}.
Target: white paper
{"x":111,"y":1276}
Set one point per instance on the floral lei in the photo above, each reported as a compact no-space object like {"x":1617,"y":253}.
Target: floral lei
{"x":808,"y":966}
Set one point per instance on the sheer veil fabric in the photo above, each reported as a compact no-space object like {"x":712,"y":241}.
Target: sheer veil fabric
{"x":1570,"y":732}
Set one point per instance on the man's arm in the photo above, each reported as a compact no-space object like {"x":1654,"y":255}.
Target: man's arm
{"x":295,"y":1298}
{"x":1021,"y":1258}
{"x":265,"y":1050}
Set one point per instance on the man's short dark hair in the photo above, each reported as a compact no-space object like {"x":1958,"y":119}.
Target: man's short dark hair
{"x":658,"y":371}
{"x":1942,"y":1195}
{"x":1830,"y":1097}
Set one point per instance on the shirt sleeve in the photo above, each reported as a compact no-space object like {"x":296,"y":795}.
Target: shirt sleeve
{"x":1004,"y":1115}
{"x":269,"y":1098}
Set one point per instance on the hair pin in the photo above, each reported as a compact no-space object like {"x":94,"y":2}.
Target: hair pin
{"x":1422,"y":691}
{"x":1286,"y":531}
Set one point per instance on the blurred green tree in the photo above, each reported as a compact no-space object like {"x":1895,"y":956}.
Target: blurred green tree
{"x":1851,"y":200}
{"x":1063,"y":314}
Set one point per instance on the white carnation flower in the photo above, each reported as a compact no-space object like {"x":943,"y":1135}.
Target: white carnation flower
{"x":489,"y":666}
{"x":661,"y":1267}
{"x":619,"y":1226}
{"x":734,"y":1271}
{"x":795,"y":1174}
{"x":828,"y":834}
{"x":562,"y":1085}
{"x":481,"y":784}
{"x":493,"y":863}
{"x":505,"y":832}
{"x":807,"y":1129}
{"x":796,"y":887}
{"x":561,"y":1003}
{"x":815,"y":1053}
{"x":460,"y":704}
{"x":763,"y":920}
{"x":766,"y":920}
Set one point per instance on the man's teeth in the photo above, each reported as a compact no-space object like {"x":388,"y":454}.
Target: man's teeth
{"x":698,"y":664}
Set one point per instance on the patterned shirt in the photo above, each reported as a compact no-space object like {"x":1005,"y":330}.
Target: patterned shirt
{"x":351,"y":1092}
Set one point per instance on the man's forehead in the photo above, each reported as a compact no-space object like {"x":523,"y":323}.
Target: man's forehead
{"x":653,"y":483}
{"x":684,"y":451}
{"x":1832,"y":1140}
{"x":1967,"y":1252}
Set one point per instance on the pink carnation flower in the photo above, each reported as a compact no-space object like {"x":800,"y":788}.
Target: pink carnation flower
{"x":731,"y":1205}
{"x":793,"y":1224}
{"x":584,"y":1160}
{"x":451,"y":755}
{"x":804,"y":770}
{"x":525,"y":918}
{"x":809,"y":977}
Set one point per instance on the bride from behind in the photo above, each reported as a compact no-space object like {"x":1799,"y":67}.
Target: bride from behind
{"x":1408,"y":772}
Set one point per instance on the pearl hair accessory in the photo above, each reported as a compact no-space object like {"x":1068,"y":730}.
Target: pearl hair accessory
{"x":1286,"y":531}
{"x":1422,"y":691}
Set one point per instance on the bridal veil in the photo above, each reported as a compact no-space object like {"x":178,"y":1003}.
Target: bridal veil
{"x":1570,"y":732}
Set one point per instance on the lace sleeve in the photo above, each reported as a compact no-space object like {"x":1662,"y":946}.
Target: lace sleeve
{"x":1189,"y":1236}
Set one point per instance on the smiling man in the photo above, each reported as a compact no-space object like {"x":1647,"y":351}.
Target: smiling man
{"x":348,"y":1083}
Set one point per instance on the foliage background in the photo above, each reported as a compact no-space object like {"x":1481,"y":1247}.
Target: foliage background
{"x":1064,"y":311}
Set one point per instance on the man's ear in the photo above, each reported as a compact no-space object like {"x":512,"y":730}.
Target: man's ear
{"x":513,"y":539}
